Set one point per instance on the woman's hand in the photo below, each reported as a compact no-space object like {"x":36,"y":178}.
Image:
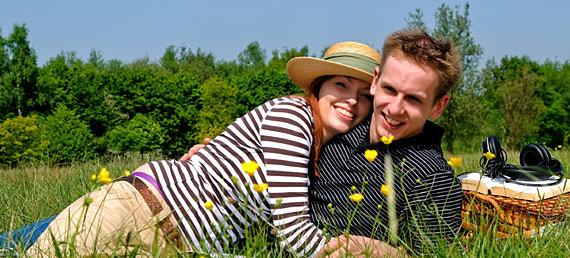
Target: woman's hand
{"x":359,"y":246}
{"x":194,"y":150}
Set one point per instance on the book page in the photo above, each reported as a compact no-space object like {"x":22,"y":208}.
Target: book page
{"x":498,"y":186}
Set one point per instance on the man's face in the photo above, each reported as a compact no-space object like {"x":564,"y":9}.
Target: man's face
{"x":404,"y":97}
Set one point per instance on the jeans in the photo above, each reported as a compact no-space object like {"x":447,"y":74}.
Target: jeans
{"x":25,"y":235}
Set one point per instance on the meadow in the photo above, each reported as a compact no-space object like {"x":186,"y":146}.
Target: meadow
{"x":32,"y":192}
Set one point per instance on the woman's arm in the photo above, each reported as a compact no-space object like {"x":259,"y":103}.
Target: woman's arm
{"x":286,"y":137}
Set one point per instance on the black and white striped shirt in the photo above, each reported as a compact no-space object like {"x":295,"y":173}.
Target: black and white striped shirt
{"x":424,"y":184}
{"x":278,"y":136}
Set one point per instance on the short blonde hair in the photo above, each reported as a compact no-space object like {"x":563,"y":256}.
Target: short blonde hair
{"x":438,"y":53}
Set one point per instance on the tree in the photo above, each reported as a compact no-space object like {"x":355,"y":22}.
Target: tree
{"x":463,"y":117}
{"x":253,"y":56}
{"x":219,"y":108}
{"x":519,"y":105}
{"x":279,"y":60}
{"x":23,"y":71}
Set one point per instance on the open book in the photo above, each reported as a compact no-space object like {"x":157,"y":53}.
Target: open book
{"x":499,"y":186}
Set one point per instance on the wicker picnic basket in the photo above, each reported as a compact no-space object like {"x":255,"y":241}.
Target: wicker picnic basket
{"x":512,"y":216}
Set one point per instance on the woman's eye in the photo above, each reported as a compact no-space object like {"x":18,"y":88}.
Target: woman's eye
{"x":341,"y":84}
{"x":367,"y":96}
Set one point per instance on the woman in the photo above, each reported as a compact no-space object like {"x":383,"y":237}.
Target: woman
{"x":206,"y":202}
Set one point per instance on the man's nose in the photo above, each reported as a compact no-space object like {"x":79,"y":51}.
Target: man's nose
{"x":396,"y":106}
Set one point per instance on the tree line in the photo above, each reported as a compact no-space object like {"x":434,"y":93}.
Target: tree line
{"x":71,"y":109}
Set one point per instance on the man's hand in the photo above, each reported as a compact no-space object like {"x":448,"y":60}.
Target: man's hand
{"x":359,"y":246}
{"x":194,"y":150}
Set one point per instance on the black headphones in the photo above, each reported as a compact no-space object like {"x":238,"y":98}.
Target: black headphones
{"x":536,"y":164}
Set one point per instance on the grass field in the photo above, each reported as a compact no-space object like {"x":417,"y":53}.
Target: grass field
{"x":33,"y":192}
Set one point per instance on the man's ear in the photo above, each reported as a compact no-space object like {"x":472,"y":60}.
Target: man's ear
{"x":439,"y":106}
{"x":374,"y":81}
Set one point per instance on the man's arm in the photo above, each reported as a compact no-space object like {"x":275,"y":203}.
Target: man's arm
{"x":434,"y":209}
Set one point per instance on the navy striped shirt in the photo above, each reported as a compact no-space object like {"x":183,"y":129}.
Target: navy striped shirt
{"x":428,"y":195}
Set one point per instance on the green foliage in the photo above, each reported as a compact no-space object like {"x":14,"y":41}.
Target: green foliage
{"x":253,"y":56}
{"x":279,"y":60}
{"x":258,"y":86}
{"x":69,"y":137}
{"x":21,"y":140}
{"x":141,"y":134}
{"x":217,"y":95}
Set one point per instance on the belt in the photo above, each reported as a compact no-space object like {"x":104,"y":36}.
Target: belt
{"x":154,"y":205}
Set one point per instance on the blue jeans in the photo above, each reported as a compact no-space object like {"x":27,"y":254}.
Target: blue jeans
{"x":25,"y":235}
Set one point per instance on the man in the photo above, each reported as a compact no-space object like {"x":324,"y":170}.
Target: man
{"x":410,"y":86}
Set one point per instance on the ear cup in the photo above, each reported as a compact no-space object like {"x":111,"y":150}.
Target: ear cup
{"x":491,"y":144}
{"x":495,"y":166}
{"x":534,"y":155}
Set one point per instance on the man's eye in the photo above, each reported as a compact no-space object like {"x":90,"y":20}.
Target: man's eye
{"x":415,"y":99}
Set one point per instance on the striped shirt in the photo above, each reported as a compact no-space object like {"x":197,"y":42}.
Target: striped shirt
{"x":278,"y":136}
{"x":428,"y":196}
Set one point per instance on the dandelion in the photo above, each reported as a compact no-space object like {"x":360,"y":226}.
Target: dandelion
{"x":384,"y":190}
{"x":126,"y":172}
{"x":455,"y":162}
{"x":370,"y":155}
{"x":353,"y":188}
{"x":387,"y":140}
{"x":489,"y":155}
{"x":250,"y":167}
{"x":104,"y":176}
{"x":356,"y":197}
{"x":260,"y":187}
{"x":209,"y":205}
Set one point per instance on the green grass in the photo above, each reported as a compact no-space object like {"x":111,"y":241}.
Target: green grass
{"x":33,"y":192}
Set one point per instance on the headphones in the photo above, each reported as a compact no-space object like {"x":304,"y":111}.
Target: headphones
{"x":536,"y":169}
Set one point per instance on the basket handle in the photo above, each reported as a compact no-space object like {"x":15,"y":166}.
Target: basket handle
{"x":489,"y":200}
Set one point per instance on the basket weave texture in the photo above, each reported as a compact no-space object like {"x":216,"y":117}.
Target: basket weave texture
{"x":510,"y":215}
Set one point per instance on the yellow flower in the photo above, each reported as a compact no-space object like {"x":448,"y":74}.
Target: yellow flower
{"x":370,"y":155}
{"x":489,"y":155}
{"x":209,"y":205}
{"x":93,"y":177}
{"x":455,"y":162}
{"x":356,"y":197}
{"x":249,"y":167}
{"x":260,"y":187}
{"x":387,"y":140}
{"x":559,"y":146}
{"x":104,"y":176}
{"x":126,"y":172}
{"x":353,"y":188}
{"x":384,"y":190}
{"x":230,"y":227}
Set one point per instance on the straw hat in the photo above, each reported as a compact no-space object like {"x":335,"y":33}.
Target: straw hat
{"x":348,"y":58}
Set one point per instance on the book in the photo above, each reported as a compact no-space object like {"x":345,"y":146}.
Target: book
{"x":499,"y":186}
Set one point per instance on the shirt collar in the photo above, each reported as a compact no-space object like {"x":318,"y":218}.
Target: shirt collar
{"x":359,"y":136}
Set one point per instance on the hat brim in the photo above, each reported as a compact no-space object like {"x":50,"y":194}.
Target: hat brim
{"x":304,"y":70}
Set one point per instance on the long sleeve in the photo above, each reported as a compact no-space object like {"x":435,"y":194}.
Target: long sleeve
{"x":435,"y":208}
{"x":286,"y":137}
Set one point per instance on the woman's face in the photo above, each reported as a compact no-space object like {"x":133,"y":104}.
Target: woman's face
{"x":343,"y":103}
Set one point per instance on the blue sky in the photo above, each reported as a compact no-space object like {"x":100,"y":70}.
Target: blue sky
{"x":128,"y":30}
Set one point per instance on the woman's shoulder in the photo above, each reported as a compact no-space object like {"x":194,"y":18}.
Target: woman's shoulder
{"x":288,"y":101}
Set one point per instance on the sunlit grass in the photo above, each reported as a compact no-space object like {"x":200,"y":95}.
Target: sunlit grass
{"x":33,"y":192}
